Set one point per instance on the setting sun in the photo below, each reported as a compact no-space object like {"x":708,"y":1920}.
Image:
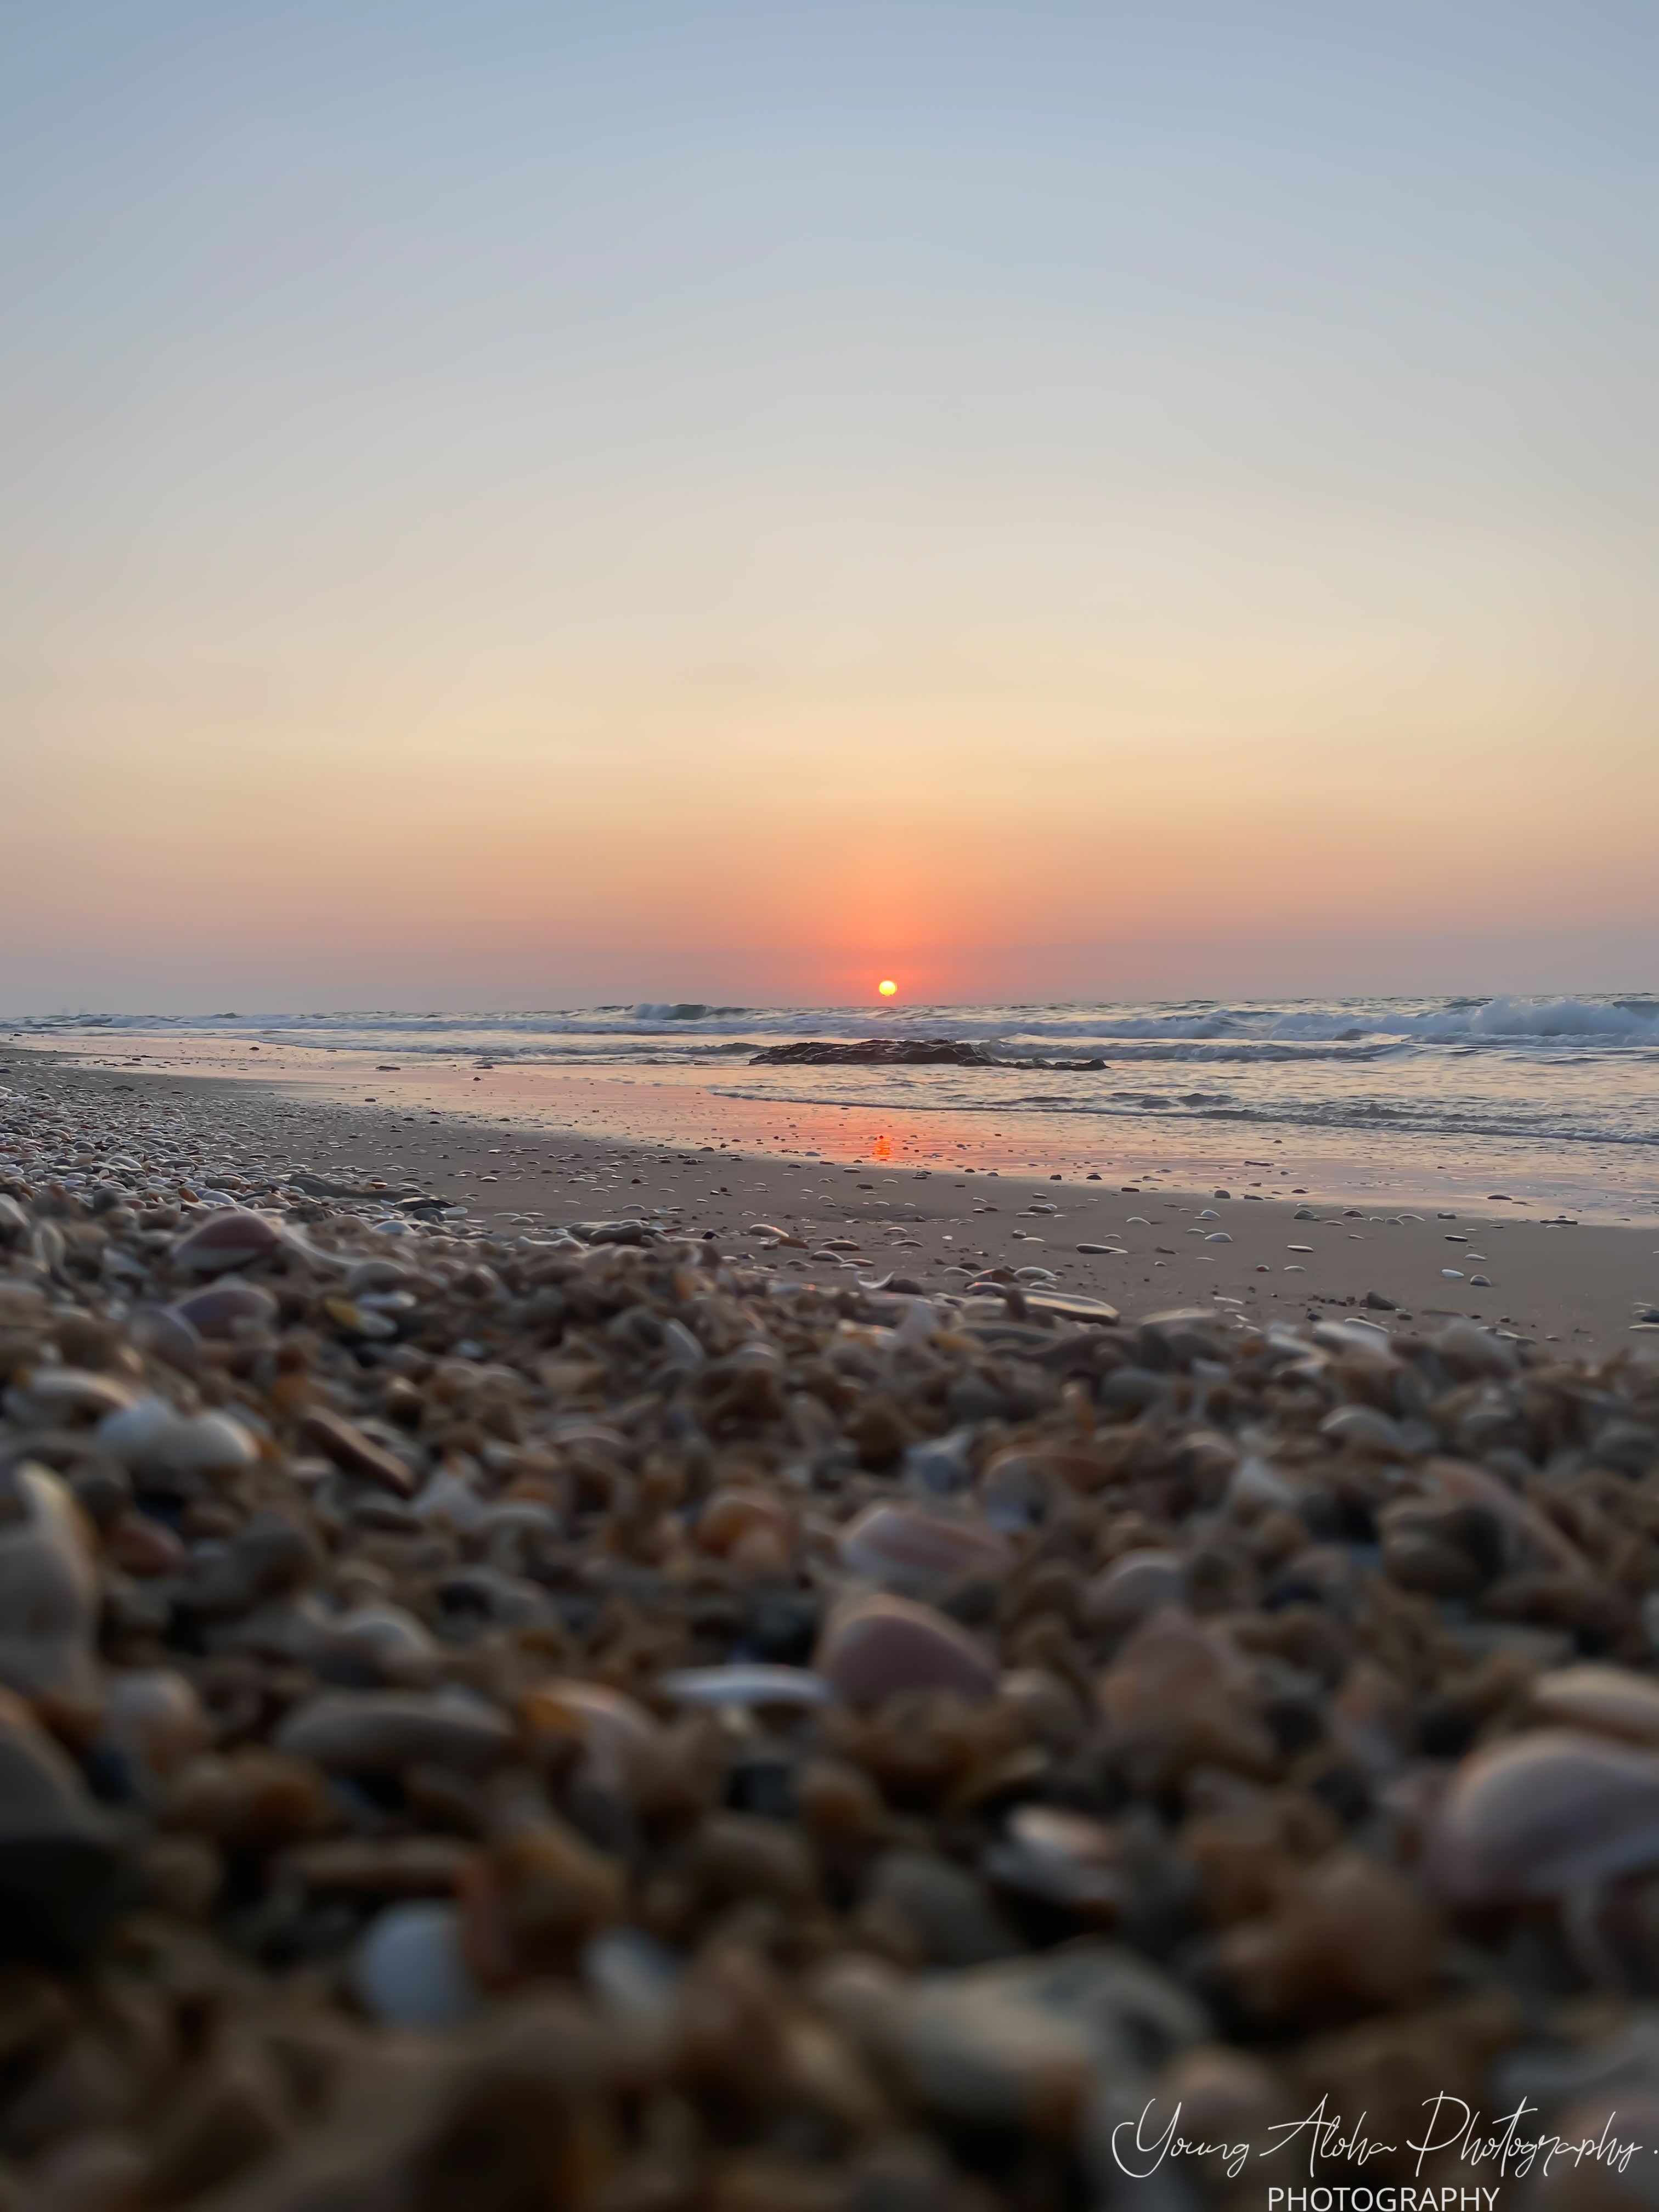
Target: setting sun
{"x":887,"y":990}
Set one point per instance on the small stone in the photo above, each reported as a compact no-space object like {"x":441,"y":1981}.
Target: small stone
{"x":378,"y":1644}
{"x":733,"y":1515}
{"x":1137,"y":1584}
{"x":943,"y":1909}
{"x":1347,"y":1933}
{"x":408,"y":1969}
{"x":356,"y":1453}
{"x":380,"y":1867}
{"x":228,"y":2114}
{"x":1024,"y":2042}
{"x":141,"y":1546}
{"x":1470,"y":1351}
{"x":252,"y":1800}
{"x":48,"y":1593}
{"x":57,"y":1866}
{"x":621,"y":1739}
{"x":155,"y":1715}
{"x":872,"y":1647}
{"x":95,"y":2170}
{"x":385,"y":1731}
{"x":556,"y":1890}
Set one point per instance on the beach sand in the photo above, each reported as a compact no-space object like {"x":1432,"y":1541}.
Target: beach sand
{"x":1586,"y":1285}
{"x":507,"y":1719}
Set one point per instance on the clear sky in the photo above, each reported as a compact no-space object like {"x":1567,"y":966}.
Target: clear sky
{"x":524,"y":504}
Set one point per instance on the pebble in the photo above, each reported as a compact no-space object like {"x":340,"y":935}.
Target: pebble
{"x":1029,"y":2042}
{"x":409,"y":1969}
{"x":155,"y":1715}
{"x":1137,"y":1583}
{"x":385,"y":1731}
{"x":58,"y":1868}
{"x":48,"y":1592}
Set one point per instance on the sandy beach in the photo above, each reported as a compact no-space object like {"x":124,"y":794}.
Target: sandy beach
{"x":1588,"y":1286}
{"x":552,"y":1676}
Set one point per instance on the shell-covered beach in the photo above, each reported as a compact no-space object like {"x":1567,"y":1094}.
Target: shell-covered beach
{"x":571,"y":1713}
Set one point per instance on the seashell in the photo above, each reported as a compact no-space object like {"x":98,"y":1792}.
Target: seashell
{"x":165,"y":1335}
{"x":746,"y":1682}
{"x":355,"y":1452}
{"x":733,"y":1515}
{"x":621,"y":1738}
{"x":1063,"y":1857}
{"x":233,"y":1239}
{"x":48,"y":1593}
{"x":909,"y":1550}
{"x":1470,"y":1351}
{"x":150,"y":1434}
{"x":1364,"y":1427}
{"x":1364,"y":1337}
{"x":53,"y":1397}
{"x":1137,"y":1584}
{"x":872,"y":1647}
{"x":215,"y":1310}
{"x":1528,"y":1531}
{"x":1543,"y":1813}
{"x":1612,"y":1700}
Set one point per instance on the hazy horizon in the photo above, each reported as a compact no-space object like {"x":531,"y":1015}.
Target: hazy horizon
{"x":524,"y":505}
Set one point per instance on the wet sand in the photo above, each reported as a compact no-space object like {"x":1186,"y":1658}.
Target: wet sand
{"x":1585,"y":1285}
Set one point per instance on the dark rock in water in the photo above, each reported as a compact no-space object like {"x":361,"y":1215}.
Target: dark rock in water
{"x":889,"y":1052}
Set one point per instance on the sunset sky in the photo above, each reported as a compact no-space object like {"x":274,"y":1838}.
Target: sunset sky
{"x":522,"y":505}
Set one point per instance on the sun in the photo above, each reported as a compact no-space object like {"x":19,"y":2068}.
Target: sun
{"x":887,"y":990}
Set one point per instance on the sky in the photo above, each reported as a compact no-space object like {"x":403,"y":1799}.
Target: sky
{"x":536,"y":504}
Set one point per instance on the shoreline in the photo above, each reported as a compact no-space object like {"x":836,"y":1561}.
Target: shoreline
{"x":934,"y":1226}
{"x":637,"y":1096}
